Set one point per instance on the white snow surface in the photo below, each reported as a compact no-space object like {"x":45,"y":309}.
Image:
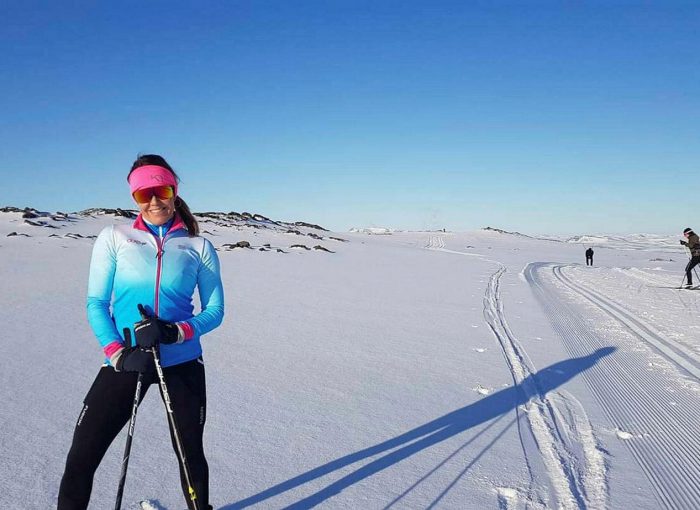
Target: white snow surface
{"x":413,"y":370}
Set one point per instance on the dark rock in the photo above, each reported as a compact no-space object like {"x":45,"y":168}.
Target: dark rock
{"x":339,"y":239}
{"x":280,"y":250}
{"x":239,"y":244}
{"x":309,"y":225}
{"x":116,"y":212}
{"x":321,"y":248}
{"x":39,"y":224}
{"x":123,"y":213}
{"x":300,"y":246}
{"x":11,"y":234}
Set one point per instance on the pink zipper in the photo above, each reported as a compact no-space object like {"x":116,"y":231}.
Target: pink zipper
{"x":159,"y":266}
{"x":159,"y":256}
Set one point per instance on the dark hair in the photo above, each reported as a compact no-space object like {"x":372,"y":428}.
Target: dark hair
{"x":180,"y":205}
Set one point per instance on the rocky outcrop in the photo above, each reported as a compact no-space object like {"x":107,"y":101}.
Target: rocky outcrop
{"x":39,"y":224}
{"x":239,"y":244}
{"x":309,"y":225}
{"x":115,"y":212}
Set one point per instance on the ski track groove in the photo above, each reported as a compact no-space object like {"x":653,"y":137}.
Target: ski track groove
{"x":682,"y":357}
{"x":672,"y":411}
{"x":625,"y":416}
{"x":675,"y":429}
{"x":659,"y":284}
{"x":631,"y":403}
{"x":577,"y":482}
{"x":632,"y":421}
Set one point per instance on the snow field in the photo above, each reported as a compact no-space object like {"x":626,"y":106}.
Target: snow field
{"x":410,"y":370}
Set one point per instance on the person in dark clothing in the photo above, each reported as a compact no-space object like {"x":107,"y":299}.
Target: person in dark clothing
{"x":693,"y":244}
{"x":589,"y":257}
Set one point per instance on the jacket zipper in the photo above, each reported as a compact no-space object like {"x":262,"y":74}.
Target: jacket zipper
{"x":160,"y":242}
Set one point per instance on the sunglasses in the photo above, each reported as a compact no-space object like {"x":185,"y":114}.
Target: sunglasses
{"x":162,"y":192}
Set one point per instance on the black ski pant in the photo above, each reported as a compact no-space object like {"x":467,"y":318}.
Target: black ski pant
{"x":694,"y":261}
{"x":589,"y":261}
{"x":107,"y":408}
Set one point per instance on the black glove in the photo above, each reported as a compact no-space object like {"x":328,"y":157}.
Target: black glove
{"x":135,"y":359}
{"x":682,"y":242}
{"x":153,"y":331}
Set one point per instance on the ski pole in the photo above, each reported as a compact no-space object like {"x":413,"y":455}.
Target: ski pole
{"x":173,"y":425}
{"x":130,"y":434}
{"x":690,"y":257}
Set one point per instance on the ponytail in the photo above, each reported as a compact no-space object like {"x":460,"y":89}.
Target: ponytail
{"x":184,"y":211}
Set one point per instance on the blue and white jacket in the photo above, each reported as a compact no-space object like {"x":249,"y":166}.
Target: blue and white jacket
{"x":131,"y":265}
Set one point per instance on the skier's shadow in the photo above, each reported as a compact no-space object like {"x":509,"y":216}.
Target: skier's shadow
{"x":429,"y":434}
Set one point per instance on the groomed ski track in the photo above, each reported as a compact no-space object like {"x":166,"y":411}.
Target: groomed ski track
{"x":562,"y":436}
{"x":658,"y":424}
{"x":555,"y":433}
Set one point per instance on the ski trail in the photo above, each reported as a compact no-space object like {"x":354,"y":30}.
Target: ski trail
{"x":661,"y":285}
{"x":675,"y":352}
{"x":563,"y":435}
{"x":656,"y":426}
{"x":435,"y":243}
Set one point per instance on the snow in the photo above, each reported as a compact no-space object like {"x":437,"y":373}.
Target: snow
{"x":412,"y":370}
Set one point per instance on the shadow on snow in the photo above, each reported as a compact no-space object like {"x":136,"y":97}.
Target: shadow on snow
{"x":429,"y":434}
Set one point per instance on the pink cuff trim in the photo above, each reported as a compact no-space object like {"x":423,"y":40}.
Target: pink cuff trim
{"x":112,"y":348}
{"x":187,"y":329}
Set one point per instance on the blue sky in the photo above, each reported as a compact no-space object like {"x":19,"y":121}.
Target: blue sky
{"x":542,"y":117}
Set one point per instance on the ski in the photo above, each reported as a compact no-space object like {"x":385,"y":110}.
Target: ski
{"x":695,"y":287}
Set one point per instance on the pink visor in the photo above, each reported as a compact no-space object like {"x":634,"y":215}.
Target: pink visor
{"x":151,"y":176}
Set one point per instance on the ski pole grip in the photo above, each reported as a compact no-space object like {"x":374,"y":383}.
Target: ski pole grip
{"x":143,"y":312}
{"x":127,"y":337}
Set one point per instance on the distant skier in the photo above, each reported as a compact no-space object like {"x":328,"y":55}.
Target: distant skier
{"x":589,"y":257}
{"x":693,"y":244}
